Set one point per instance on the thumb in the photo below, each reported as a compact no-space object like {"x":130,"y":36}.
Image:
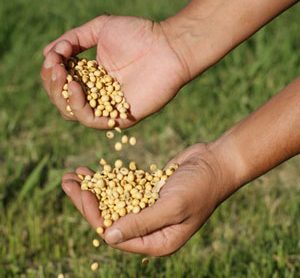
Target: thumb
{"x":80,"y":38}
{"x":163,"y":213}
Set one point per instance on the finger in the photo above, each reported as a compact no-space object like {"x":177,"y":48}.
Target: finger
{"x":160,"y":243}
{"x":79,"y":171}
{"x":84,"y":171}
{"x":85,"y":114}
{"x":90,"y":206}
{"x":46,"y":79}
{"x":70,"y":176}
{"x":73,"y":191}
{"x":64,"y":48}
{"x":90,"y":202}
{"x":46,"y":71}
{"x":58,"y":79}
{"x":83,"y":200}
{"x":164,"y":212}
{"x":81,"y":38}
{"x":82,"y":110}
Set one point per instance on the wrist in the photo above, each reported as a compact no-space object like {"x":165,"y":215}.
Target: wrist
{"x":205,"y":31}
{"x":230,"y":164}
{"x":198,"y":40}
{"x":261,"y":141}
{"x":219,"y":167}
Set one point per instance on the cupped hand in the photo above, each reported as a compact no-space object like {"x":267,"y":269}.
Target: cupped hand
{"x":135,"y":51}
{"x":186,"y":201}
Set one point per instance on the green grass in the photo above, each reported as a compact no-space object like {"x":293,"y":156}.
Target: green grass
{"x":256,"y":233}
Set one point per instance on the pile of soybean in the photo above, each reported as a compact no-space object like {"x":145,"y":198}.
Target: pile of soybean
{"x":103,"y":92}
{"x":123,"y":189}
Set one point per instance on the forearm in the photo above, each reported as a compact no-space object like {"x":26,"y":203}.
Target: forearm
{"x":263,"y":140}
{"x":204,"y":31}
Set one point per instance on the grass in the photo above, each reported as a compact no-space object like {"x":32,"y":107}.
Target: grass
{"x":254,"y":234}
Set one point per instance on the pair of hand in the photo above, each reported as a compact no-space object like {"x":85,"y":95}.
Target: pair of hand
{"x":139,"y":54}
{"x":152,"y":61}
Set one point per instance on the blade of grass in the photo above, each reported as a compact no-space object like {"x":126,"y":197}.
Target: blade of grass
{"x":33,"y":178}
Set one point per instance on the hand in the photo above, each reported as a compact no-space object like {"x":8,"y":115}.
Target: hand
{"x":186,"y":201}
{"x":135,"y":51}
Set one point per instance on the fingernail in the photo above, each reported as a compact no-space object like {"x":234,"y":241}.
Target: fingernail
{"x":59,"y":48}
{"x":114,"y":236}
